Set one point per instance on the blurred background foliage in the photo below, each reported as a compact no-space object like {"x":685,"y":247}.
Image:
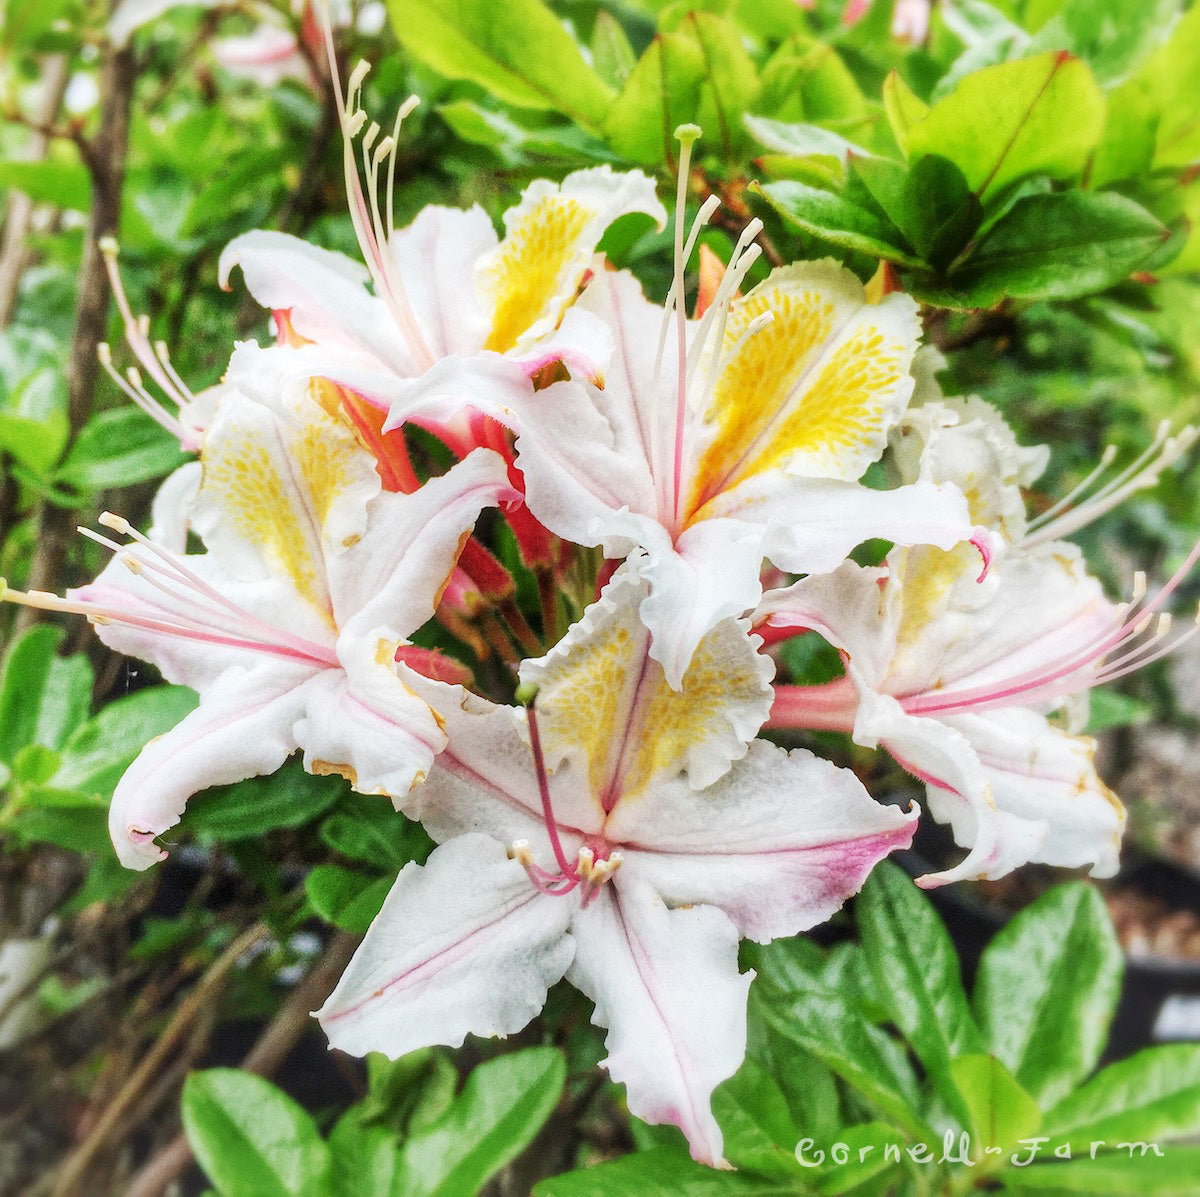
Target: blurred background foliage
{"x":1028,"y":169}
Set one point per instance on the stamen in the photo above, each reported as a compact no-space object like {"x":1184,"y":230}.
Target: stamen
{"x":687,"y":136}
{"x":154,"y":359}
{"x":372,"y":228}
{"x":528,"y":698}
{"x":1075,"y":512}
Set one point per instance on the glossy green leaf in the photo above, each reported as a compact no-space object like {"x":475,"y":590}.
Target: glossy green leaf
{"x":365,"y":1160}
{"x":903,"y":106}
{"x":60,"y":184}
{"x":1126,"y":1172}
{"x":865,"y":1057}
{"x":251,"y":1139}
{"x":916,"y":970}
{"x":1046,"y":989}
{"x":612,"y":55}
{"x":346,"y":898}
{"x":65,"y":818}
{"x":1113,"y":37}
{"x":503,"y":1105}
{"x":1171,"y":74}
{"x":662,"y":93}
{"x":98,"y":752}
{"x":939,"y":213}
{"x":730,"y":86}
{"x":527,"y":58}
{"x":1152,"y":1095}
{"x":799,"y":140}
{"x":1040,"y":115}
{"x":1001,"y":1112}
{"x":662,"y":1172}
{"x":43,"y":696}
{"x":753,"y":1113}
{"x":862,"y":1147}
{"x":369,"y":829}
{"x":838,"y":219}
{"x":118,"y":448}
{"x":1055,"y":246}
{"x":253,"y":807}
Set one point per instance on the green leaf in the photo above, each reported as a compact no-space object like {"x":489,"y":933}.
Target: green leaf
{"x":1171,"y":74}
{"x":1040,"y":115}
{"x":903,"y":106}
{"x":760,"y":1133}
{"x":1112,"y":708}
{"x":1001,"y":1111}
{"x":1046,"y":989}
{"x":118,"y":448}
{"x":64,"y":818}
{"x":1113,"y":37}
{"x":663,"y":1172}
{"x":365,"y":1159}
{"x":345,"y":898}
{"x":916,"y":970}
{"x":612,"y":55}
{"x":1055,"y":246}
{"x":251,"y":1139}
{"x":838,"y":220}
{"x":730,"y":83}
{"x":1152,"y":1095}
{"x":97,"y":753}
{"x":253,"y":807}
{"x":527,"y":58}
{"x":42,"y":696}
{"x":836,"y":1179}
{"x":799,"y":140}
{"x":61,"y":184}
{"x":369,"y":829}
{"x":1135,"y":1172}
{"x":502,"y":1107}
{"x":939,"y":213}
{"x":865,"y":1057}
{"x":662,"y":93}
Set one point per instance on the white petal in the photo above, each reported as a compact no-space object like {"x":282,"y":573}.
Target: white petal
{"x":604,"y":705}
{"x":170,"y":514}
{"x":463,"y":945}
{"x":550,"y":237}
{"x":666,"y":985}
{"x":812,"y":525}
{"x":484,"y":780}
{"x":282,"y":492}
{"x":958,"y":789}
{"x":394,"y":575}
{"x":849,"y":608}
{"x":325,"y":294}
{"x":436,"y":256}
{"x":367,"y":723}
{"x":1043,"y":776}
{"x":712,"y":572}
{"x":242,"y":728}
{"x":779,"y":843}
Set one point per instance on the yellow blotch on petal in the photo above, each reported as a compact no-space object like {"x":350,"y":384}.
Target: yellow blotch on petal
{"x":583,"y":703}
{"x":531,"y":270}
{"x":262,"y":507}
{"x":815,"y":383}
{"x":755,"y":388}
{"x":671,"y":721}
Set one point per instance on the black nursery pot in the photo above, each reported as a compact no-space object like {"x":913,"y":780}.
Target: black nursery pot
{"x":1160,"y":998}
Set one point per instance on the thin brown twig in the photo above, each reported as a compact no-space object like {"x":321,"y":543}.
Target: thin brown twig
{"x":106,"y":164}
{"x":74,"y":1169}
{"x":263,"y":1059}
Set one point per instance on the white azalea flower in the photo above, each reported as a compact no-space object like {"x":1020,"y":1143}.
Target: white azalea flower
{"x":293,"y":625}
{"x":656,"y":835}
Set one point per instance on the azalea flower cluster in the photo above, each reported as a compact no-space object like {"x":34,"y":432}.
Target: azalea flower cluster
{"x":665,"y":478}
